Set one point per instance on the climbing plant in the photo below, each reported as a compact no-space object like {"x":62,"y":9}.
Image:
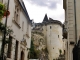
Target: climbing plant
{"x":2,"y":28}
{"x":3,"y":11}
{"x":60,"y":51}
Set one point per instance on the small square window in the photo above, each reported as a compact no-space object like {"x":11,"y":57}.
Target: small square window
{"x":50,"y":27}
{"x":22,"y":26}
{"x":58,"y":36}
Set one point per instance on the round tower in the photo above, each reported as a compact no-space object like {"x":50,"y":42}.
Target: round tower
{"x":54,"y":38}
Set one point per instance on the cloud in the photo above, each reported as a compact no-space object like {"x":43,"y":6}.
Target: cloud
{"x":52,"y":4}
{"x":37,"y":12}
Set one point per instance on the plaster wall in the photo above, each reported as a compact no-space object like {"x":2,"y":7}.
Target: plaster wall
{"x":18,"y":33}
{"x":54,"y":40}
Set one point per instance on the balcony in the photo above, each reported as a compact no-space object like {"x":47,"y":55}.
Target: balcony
{"x":64,"y":4}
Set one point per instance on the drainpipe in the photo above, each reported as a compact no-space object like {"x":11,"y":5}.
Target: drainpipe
{"x":75,"y":21}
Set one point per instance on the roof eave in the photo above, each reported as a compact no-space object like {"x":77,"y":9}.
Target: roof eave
{"x":25,"y":11}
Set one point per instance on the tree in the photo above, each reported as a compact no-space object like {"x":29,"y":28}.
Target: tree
{"x":33,"y":54}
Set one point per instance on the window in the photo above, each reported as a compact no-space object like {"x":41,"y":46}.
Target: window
{"x":58,"y":36}
{"x":27,"y":28}
{"x":50,"y":27}
{"x":16,"y":50}
{"x":67,"y":45}
{"x":9,"y":47}
{"x":22,"y":26}
{"x":17,"y":14}
{"x":64,"y":52}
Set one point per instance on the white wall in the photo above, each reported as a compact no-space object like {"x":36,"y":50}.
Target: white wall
{"x":54,"y":43}
{"x":18,"y":33}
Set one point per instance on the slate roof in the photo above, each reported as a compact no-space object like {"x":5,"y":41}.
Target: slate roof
{"x":47,"y":21}
{"x":51,"y":21}
{"x":25,"y":10}
{"x":45,"y":18}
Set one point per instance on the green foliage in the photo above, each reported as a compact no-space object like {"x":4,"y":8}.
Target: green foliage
{"x":60,"y":51}
{"x":2,"y":10}
{"x":33,"y":54}
{"x":2,"y":28}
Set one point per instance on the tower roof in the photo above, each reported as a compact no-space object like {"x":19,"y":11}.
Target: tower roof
{"x":45,"y":18}
{"x":51,"y":21}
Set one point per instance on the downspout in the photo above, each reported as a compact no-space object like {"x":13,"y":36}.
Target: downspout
{"x":75,"y":21}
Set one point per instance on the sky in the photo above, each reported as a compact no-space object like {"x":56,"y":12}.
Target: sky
{"x":38,"y":8}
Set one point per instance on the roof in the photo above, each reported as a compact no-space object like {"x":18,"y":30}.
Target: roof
{"x":51,"y":21}
{"x":45,"y":18}
{"x":24,"y":9}
{"x":54,"y":21}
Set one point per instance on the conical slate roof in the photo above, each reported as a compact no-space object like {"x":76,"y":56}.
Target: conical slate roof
{"x":45,"y":18}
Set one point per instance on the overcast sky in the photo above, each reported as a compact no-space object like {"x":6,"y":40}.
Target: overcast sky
{"x":38,"y":8}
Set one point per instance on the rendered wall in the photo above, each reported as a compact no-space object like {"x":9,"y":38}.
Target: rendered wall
{"x":54,"y":40}
{"x":18,"y":33}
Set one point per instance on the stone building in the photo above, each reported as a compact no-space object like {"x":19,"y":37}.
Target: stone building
{"x":72,"y":26}
{"x":54,"y":37}
{"x":20,"y":23}
{"x":52,"y":30}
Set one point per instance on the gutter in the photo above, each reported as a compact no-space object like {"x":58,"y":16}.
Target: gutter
{"x":75,"y":21}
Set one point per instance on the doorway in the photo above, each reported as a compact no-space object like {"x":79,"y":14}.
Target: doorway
{"x":22,"y":55}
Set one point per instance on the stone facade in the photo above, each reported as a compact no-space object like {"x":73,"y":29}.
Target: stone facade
{"x":20,"y":23}
{"x":53,"y":38}
{"x":72,"y":24}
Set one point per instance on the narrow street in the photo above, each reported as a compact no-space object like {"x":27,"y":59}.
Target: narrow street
{"x":39,"y":30}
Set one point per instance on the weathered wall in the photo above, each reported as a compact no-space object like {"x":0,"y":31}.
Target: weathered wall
{"x":72,"y":14}
{"x":17,"y":30}
{"x":54,"y":40}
